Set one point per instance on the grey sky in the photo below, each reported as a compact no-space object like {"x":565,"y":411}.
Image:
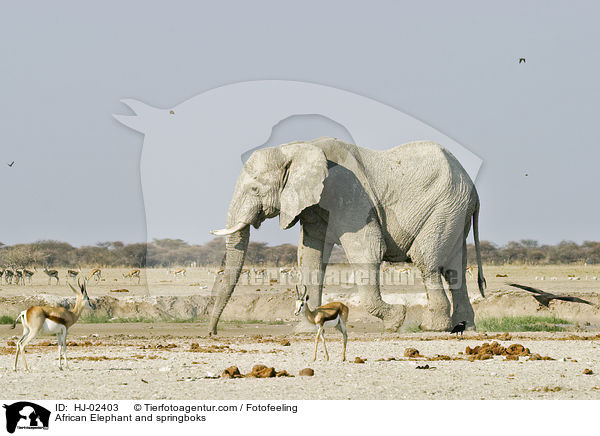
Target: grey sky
{"x":453,"y":65}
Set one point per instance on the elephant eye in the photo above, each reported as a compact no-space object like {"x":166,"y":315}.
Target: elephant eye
{"x":254,"y":189}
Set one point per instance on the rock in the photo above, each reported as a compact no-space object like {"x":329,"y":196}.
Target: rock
{"x":231,"y":372}
{"x":588,"y":371}
{"x":359,"y":360}
{"x":308,"y":372}
{"x":11,"y":343}
{"x":412,"y":352}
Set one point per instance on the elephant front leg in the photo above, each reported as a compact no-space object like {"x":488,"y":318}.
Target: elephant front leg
{"x":313,"y":252}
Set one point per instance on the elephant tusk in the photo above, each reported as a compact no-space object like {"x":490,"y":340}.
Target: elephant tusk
{"x":225,"y":232}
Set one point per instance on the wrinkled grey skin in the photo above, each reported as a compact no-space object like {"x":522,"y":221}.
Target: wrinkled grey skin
{"x":413,"y":203}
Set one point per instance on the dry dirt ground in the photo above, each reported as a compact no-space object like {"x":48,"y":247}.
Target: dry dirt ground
{"x":178,"y":360}
{"x":161,"y":361}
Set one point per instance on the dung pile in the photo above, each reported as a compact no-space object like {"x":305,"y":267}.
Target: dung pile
{"x":512,"y":352}
{"x":412,"y":352}
{"x":197,"y":348}
{"x":258,"y":371}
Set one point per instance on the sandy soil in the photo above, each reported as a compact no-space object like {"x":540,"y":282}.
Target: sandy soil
{"x":158,"y":361}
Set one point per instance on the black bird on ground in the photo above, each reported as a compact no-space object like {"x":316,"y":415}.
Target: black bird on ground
{"x":11,"y":164}
{"x":459,"y":328}
{"x":544,"y":298}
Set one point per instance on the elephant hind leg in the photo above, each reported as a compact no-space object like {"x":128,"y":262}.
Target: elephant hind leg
{"x":455,"y":276}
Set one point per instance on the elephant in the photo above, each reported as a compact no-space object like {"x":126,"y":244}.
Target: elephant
{"x":412,"y":203}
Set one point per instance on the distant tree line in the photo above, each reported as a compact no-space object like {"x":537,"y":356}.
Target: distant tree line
{"x":528,"y":251}
{"x":170,"y":252}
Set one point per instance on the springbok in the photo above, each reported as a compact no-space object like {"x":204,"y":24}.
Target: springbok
{"x":134,"y":273}
{"x":52,"y":273}
{"x":72,"y":274}
{"x":8,"y":276}
{"x":96,"y":273}
{"x":50,"y":320}
{"x":27,"y":273}
{"x":333,"y":314}
{"x":179,"y":272}
{"x":469,"y":270}
{"x":19,"y":277}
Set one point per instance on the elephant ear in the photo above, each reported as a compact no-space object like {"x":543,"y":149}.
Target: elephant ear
{"x":303,"y":182}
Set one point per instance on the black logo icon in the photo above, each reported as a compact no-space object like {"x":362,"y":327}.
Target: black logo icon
{"x":26,"y":415}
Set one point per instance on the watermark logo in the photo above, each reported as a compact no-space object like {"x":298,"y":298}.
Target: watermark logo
{"x":191,"y":152}
{"x":24,"y":415}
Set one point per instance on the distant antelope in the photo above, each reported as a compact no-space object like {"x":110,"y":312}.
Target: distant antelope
{"x":27,"y":273}
{"x":8,"y":275}
{"x":19,"y":277}
{"x":51,"y":321}
{"x":469,"y":270}
{"x":52,"y":273}
{"x":333,"y":314}
{"x":72,"y":274}
{"x":96,"y":273}
{"x":262,"y":272}
{"x":134,"y":273}
{"x":179,"y":272}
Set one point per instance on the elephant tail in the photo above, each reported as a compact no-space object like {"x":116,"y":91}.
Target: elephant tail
{"x":480,"y":278}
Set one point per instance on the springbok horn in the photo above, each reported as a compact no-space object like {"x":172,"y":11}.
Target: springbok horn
{"x":225,"y":232}
{"x":73,"y":289}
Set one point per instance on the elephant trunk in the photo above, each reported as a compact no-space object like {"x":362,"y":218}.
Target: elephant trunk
{"x":236,"y":246}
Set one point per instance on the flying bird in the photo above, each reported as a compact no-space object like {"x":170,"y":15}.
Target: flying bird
{"x":544,"y":298}
{"x":522,"y":61}
{"x":11,"y":164}
{"x":459,"y":328}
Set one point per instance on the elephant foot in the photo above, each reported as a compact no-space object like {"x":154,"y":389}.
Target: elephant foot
{"x":464,"y":315}
{"x":435,"y":322}
{"x":395,"y":319}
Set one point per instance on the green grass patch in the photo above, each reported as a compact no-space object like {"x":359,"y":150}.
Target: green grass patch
{"x":253,"y":321}
{"x":5,"y":319}
{"x":413,"y":328}
{"x":104,"y":319}
{"x":522,"y":324}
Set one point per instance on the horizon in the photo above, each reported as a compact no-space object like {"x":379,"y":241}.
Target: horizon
{"x":523,"y":241}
